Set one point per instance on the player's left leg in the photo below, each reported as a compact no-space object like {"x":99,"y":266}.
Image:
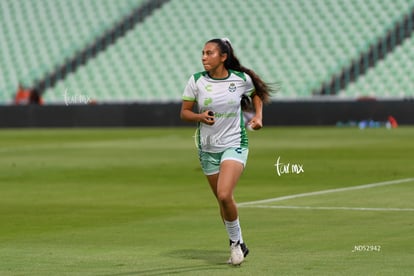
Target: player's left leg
{"x":230,"y":172}
{"x":212,"y":180}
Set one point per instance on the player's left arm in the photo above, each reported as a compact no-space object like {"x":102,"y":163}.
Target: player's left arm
{"x":256,"y":122}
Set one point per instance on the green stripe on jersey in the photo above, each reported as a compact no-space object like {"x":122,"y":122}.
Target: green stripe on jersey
{"x":244,"y":140}
{"x":190,"y":99}
{"x":239,"y":74}
{"x":199,"y":75}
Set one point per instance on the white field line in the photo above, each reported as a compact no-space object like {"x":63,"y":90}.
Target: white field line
{"x":366,"y":186}
{"x":332,"y":208}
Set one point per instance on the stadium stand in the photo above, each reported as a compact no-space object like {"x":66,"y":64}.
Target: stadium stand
{"x":299,"y":44}
{"x":40,"y":35}
{"x":390,"y":78}
{"x":395,"y":35}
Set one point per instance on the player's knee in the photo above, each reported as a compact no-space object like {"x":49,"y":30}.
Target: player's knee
{"x":225,"y":198}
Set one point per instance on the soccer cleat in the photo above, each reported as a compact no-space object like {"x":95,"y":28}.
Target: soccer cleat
{"x":244,"y":249}
{"x":236,"y":253}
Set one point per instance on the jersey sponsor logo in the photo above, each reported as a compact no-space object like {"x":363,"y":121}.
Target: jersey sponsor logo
{"x":207,"y":101}
{"x":232,"y":87}
{"x":225,"y":114}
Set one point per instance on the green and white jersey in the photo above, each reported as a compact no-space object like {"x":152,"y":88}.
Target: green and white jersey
{"x":222,"y":96}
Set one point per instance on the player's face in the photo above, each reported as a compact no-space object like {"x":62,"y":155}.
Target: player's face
{"x":211,"y":56}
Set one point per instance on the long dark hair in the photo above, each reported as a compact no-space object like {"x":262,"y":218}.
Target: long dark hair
{"x":263,"y":90}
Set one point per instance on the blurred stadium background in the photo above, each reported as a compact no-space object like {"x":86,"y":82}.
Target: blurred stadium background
{"x":110,"y":52}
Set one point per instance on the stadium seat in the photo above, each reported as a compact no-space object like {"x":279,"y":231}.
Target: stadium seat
{"x":39,"y":35}
{"x":299,"y":44}
{"x":390,"y":78}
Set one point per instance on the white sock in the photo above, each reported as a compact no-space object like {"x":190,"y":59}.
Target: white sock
{"x":241,"y":237}
{"x":234,"y":230}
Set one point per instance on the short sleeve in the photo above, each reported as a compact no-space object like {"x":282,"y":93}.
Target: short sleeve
{"x":190,"y":91}
{"x":249,"y":86}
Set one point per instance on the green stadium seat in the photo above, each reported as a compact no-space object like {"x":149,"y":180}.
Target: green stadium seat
{"x":297,"y":43}
{"x":38,"y":35}
{"x":393,"y":73}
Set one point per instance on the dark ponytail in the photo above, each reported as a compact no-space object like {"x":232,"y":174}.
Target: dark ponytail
{"x":263,"y":90}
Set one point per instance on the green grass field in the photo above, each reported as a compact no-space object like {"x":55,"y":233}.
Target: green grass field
{"x":135,"y":202}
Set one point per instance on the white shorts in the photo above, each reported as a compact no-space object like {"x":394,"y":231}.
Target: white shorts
{"x":210,"y":161}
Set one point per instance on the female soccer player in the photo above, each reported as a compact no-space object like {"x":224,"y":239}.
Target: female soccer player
{"x":222,"y":137}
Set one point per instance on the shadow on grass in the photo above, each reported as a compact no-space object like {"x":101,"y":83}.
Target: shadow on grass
{"x":191,"y":269}
{"x":215,"y":260}
{"x":215,"y":257}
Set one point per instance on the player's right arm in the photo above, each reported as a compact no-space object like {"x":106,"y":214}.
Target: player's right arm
{"x":187,"y":114}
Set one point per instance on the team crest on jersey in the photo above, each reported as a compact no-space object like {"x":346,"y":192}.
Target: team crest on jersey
{"x":232,"y":87}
